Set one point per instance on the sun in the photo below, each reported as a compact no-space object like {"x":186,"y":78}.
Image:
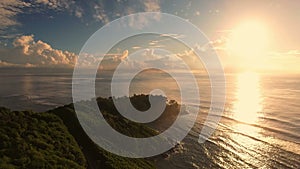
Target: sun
{"x":248,"y":41}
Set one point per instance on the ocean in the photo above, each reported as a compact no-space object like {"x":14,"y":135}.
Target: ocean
{"x":260,"y":126}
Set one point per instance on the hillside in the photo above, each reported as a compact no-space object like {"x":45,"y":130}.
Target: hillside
{"x":96,"y":156}
{"x":55,"y":139}
{"x":36,"y":140}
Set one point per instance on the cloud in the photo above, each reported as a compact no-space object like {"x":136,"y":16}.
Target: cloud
{"x":283,"y":61}
{"x":79,"y":13}
{"x":141,"y":59}
{"x":100,"y":11}
{"x":9,"y":9}
{"x":26,"y":52}
{"x":151,"y":5}
{"x":108,"y":61}
{"x":294,"y":53}
{"x":70,"y":6}
{"x":116,"y":57}
{"x":152,"y":57}
{"x":136,"y":61}
{"x":124,"y":55}
{"x":106,"y":12}
{"x":5,"y":64}
{"x":217,"y":45}
{"x":139,"y":21}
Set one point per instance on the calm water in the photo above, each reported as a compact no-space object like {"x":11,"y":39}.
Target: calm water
{"x":260,"y":127}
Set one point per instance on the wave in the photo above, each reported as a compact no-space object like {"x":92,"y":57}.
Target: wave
{"x":229,"y":147}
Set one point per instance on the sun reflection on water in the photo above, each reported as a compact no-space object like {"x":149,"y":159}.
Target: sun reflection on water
{"x":248,"y":105}
{"x":247,"y":110}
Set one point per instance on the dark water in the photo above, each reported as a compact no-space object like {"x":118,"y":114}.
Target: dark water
{"x":260,"y":127}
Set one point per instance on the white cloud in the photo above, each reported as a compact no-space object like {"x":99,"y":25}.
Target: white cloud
{"x":28,"y":53}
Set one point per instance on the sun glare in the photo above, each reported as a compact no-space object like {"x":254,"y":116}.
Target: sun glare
{"x":248,"y":104}
{"x":248,"y":41}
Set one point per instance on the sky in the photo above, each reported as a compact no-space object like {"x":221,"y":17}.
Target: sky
{"x":51,"y":33}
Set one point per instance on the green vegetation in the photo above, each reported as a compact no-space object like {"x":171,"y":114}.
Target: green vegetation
{"x":96,"y":156}
{"x":36,"y":140}
{"x":55,"y":139}
{"x":141,"y":103}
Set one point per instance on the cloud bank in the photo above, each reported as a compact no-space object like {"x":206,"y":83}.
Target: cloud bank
{"x":26,"y":52}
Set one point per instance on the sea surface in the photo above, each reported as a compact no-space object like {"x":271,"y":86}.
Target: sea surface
{"x":260,"y":126}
